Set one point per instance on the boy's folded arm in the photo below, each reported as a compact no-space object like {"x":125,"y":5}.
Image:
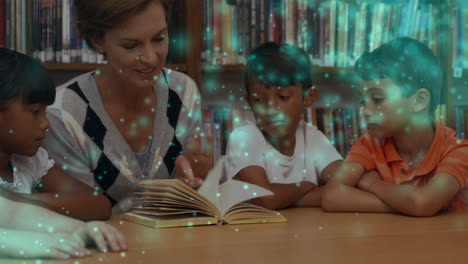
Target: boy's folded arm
{"x":69,"y":196}
{"x":313,"y":198}
{"x":420,"y":201}
{"x":341,"y":195}
{"x":284,"y":194}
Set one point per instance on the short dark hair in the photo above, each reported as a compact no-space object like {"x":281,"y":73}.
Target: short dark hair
{"x":24,"y":77}
{"x":282,"y":65}
{"x":408,"y":63}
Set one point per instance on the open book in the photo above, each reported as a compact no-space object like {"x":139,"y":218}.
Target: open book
{"x":172,"y":203}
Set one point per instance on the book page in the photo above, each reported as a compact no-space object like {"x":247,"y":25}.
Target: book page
{"x":233,"y":192}
{"x":171,"y":188}
{"x":210,"y":186}
{"x":245,"y":213}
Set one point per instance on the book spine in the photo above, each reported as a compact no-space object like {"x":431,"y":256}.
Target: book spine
{"x":2,"y":23}
{"x":66,"y":56}
{"x":24,"y":32}
{"x":58,"y":30}
{"x":29,"y":28}
{"x":73,"y":34}
{"x":19,"y":25}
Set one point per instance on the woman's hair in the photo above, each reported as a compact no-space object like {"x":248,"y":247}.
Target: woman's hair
{"x":280,"y":65}
{"x":96,"y":17}
{"x":24,"y":77}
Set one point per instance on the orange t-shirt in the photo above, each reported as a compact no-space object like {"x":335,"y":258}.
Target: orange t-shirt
{"x":447,"y":154}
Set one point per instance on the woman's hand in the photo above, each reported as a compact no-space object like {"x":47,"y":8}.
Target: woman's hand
{"x":194,"y":165}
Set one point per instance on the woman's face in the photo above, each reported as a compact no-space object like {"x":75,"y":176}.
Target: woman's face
{"x":136,"y":50}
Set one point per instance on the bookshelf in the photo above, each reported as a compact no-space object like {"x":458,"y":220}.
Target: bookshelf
{"x":37,"y":28}
{"x":457,"y":89}
{"x":333,"y":32}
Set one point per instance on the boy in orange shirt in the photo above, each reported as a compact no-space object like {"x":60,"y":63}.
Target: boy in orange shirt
{"x":405,"y":162}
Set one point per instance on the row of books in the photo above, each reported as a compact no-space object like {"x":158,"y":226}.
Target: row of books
{"x":343,"y":126}
{"x":333,"y":32}
{"x":220,"y":121}
{"x":44,"y":29}
{"x":460,"y":38}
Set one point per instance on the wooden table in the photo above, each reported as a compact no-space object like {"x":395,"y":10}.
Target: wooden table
{"x":310,"y":236}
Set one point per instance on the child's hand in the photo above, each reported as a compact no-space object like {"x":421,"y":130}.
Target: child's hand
{"x":102,"y":235}
{"x":194,"y":165}
{"x":368,"y":179}
{"x":44,"y":245}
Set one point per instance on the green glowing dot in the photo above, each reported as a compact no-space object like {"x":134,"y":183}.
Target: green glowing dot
{"x":122,"y":120}
{"x":98,"y":72}
{"x":64,"y":167}
{"x":298,"y":184}
{"x":123,"y":254}
{"x":95,"y":229}
{"x":120,"y":71}
{"x":320,"y":228}
{"x":246,"y":154}
{"x":155,"y":78}
{"x":246,"y":186}
{"x":137,"y":57}
{"x":56,"y":195}
{"x":254,"y":194}
{"x":190,"y":224}
{"x":11,"y":131}
{"x":218,"y":194}
{"x":142,"y":252}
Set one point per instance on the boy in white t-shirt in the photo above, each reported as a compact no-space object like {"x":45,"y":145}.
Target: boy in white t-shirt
{"x":280,"y":152}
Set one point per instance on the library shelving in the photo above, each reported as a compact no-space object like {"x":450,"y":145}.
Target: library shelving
{"x":46,"y":29}
{"x":334,"y":33}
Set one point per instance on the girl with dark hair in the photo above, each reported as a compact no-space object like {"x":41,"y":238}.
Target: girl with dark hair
{"x":26,"y":89}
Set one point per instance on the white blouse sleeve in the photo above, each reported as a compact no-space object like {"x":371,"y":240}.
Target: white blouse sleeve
{"x":43,"y":164}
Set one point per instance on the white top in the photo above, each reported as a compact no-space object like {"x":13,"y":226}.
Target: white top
{"x":28,"y":171}
{"x":248,"y":147}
